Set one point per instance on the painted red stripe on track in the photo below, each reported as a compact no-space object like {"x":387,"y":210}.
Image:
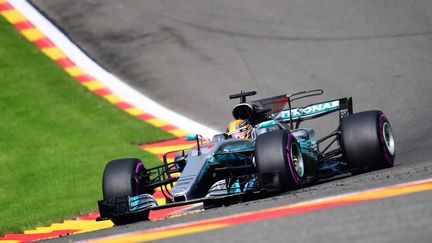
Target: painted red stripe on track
{"x":65,"y":62}
{"x":123,"y":105}
{"x":102,"y":92}
{"x":84,"y":78}
{"x":91,"y":216}
{"x":168,"y":127}
{"x":145,"y":116}
{"x":33,"y":237}
{"x":255,"y":216}
{"x":44,"y":43}
{"x":24,"y":25}
{"x":173,"y":142}
{"x":265,"y":215}
{"x":5,"y":6}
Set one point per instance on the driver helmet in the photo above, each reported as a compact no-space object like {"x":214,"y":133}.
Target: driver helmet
{"x":239,"y":129}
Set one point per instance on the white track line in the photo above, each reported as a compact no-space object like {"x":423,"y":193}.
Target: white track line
{"x":116,"y":85}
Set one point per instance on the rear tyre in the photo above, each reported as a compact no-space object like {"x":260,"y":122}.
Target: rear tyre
{"x":124,"y":177}
{"x":367,"y":141}
{"x":279,"y":161}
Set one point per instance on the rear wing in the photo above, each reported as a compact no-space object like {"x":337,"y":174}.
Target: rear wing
{"x":278,"y":105}
{"x":312,"y":111}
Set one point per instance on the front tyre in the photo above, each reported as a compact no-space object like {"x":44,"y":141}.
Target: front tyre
{"x":279,"y":161}
{"x":367,"y":141}
{"x":124,"y":177}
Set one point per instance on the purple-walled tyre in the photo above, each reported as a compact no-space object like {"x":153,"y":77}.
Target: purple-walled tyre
{"x":294,"y":161}
{"x":367,"y":141}
{"x":122,"y":177}
{"x":279,"y":161}
{"x":125,"y":177}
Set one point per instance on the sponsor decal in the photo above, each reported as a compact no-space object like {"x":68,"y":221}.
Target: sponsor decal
{"x":309,"y":110}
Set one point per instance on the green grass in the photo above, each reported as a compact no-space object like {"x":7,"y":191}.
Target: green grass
{"x":55,"y":138}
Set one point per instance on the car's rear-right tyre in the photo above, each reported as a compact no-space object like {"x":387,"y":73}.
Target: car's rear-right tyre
{"x":124,"y":177}
{"x":367,"y":141}
{"x":279,"y":161}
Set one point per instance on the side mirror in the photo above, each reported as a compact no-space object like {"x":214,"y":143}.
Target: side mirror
{"x":195,"y":137}
{"x":191,"y":137}
{"x":219,"y":137}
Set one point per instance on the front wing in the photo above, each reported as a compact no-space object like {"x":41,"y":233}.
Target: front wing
{"x":139,"y":207}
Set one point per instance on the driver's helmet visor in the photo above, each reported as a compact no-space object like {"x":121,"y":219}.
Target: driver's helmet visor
{"x":241,"y":133}
{"x":238,"y":134}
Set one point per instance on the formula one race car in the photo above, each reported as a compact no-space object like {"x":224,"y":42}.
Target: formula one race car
{"x":276,"y":156}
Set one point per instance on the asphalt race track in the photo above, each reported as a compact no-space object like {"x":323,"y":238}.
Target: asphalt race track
{"x":189,"y":55}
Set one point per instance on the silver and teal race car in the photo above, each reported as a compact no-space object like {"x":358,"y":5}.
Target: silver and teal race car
{"x":279,"y":156}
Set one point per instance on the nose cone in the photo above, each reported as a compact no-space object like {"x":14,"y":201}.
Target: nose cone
{"x":183,"y":187}
{"x":196,"y":167}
